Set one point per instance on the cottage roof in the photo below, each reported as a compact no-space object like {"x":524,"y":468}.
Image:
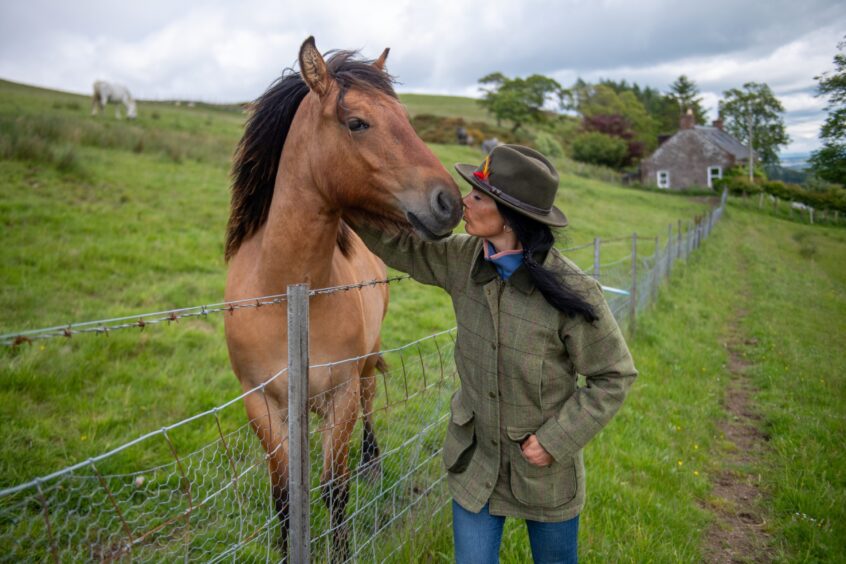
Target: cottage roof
{"x":724,"y":141}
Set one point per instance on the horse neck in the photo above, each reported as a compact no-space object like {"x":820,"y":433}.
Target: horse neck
{"x":301,"y":231}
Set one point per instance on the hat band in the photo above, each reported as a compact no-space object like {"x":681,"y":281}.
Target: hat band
{"x":512,"y":200}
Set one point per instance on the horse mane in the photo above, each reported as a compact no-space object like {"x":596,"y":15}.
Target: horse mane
{"x":260,"y":149}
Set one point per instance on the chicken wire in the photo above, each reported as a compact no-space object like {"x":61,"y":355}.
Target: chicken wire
{"x":215,"y":503}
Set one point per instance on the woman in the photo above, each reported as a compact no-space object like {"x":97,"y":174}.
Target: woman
{"x":528,"y":322}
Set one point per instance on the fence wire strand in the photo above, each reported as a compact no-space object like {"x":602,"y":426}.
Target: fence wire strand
{"x":161,"y":497}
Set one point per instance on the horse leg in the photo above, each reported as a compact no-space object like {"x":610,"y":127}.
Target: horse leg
{"x":371,"y":464}
{"x":269,"y":424}
{"x":340,"y":417}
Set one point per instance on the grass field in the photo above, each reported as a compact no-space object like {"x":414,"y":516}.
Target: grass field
{"x":103,"y":218}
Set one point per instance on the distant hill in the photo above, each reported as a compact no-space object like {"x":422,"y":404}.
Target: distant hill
{"x":796,"y":161}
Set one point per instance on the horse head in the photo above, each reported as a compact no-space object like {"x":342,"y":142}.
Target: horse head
{"x":372,"y":163}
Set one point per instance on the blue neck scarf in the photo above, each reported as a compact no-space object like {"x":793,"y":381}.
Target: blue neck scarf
{"x":505,"y":262}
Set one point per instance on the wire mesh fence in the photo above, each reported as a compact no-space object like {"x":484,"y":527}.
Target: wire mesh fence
{"x":216,"y":503}
{"x":375,"y":477}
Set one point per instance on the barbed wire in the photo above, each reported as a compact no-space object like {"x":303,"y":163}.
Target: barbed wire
{"x":142,"y":320}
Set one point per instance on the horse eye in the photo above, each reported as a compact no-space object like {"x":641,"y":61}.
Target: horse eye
{"x":356,"y":124}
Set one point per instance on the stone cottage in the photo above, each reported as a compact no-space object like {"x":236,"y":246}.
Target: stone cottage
{"x":694,"y":156}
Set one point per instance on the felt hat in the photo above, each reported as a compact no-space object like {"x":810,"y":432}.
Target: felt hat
{"x":520,"y":178}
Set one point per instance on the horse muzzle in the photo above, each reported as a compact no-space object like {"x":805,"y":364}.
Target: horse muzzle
{"x":439,"y":216}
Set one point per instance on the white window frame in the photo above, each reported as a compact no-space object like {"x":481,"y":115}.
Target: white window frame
{"x":665,"y":183}
{"x":711,"y":177}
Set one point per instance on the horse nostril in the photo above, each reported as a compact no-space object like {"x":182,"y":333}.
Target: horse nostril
{"x":444,"y":206}
{"x":443,"y":203}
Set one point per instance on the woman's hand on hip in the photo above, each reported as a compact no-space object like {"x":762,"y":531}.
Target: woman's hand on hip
{"x":535,"y":453}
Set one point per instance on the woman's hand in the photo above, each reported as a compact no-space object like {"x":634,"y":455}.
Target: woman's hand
{"x":535,"y":453}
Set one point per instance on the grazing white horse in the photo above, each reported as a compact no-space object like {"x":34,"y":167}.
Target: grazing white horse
{"x":105,"y":92}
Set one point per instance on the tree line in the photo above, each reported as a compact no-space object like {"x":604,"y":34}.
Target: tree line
{"x":622,"y":122}
{"x":617,"y":123}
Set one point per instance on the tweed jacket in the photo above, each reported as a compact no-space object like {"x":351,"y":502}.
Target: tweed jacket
{"x":518,"y":360}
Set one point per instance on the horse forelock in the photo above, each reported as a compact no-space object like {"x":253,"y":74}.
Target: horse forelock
{"x":260,"y":149}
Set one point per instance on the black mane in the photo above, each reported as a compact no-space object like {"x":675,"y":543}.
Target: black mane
{"x":260,"y":149}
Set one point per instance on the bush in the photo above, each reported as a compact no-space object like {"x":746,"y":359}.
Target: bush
{"x":596,"y":148}
{"x":737,"y":185}
{"x":548,"y":145}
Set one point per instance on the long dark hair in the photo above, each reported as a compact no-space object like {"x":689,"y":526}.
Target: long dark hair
{"x":537,"y":237}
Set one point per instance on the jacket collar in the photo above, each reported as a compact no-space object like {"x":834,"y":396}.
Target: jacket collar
{"x":484,"y":271}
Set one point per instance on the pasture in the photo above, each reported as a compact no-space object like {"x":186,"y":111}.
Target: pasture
{"x":104,"y":218}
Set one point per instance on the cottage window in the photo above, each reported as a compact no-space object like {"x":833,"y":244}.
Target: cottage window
{"x":663,"y":179}
{"x":714,"y":172}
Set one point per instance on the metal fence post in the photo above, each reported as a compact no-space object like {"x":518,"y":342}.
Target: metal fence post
{"x":596,"y":244}
{"x":298,"y":463}
{"x":634,"y":282}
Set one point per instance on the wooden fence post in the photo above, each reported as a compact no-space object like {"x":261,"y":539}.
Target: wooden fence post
{"x":298,"y":449}
{"x":669,"y":250}
{"x":690,"y":238}
{"x":596,"y":244}
{"x":634,"y":282}
{"x":656,"y":270}
{"x":679,"y":246}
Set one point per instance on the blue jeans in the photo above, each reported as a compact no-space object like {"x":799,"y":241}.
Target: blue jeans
{"x":478,"y":535}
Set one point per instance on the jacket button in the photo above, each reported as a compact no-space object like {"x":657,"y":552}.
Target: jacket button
{"x":493,"y":346}
{"x":492,"y":395}
{"x":494,"y":442}
{"x":488,"y":485}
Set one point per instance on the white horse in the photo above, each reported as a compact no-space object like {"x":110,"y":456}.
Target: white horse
{"x":105,"y":92}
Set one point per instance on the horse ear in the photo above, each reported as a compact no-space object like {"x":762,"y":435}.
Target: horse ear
{"x":313,"y":68}
{"x":380,"y":62}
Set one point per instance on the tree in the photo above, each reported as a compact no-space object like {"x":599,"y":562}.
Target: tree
{"x":829,"y":162}
{"x":753,"y":116}
{"x":685,"y":95}
{"x":518,"y":100}
{"x":603,"y":100}
{"x":616,"y":126}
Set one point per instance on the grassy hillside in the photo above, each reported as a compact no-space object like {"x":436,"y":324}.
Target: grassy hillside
{"x":445,"y":106}
{"x":104,"y":218}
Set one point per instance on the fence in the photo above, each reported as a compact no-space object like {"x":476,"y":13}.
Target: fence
{"x":215,"y":503}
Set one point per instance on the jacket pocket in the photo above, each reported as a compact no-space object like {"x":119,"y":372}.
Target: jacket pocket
{"x":460,"y":442}
{"x":539,"y":486}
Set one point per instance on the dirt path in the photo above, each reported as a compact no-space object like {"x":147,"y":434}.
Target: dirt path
{"x":738,"y":533}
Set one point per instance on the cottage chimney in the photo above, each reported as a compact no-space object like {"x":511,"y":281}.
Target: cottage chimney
{"x":688,"y":120}
{"x":718,"y":123}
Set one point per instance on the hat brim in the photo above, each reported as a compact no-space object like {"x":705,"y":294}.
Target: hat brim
{"x":555,"y":217}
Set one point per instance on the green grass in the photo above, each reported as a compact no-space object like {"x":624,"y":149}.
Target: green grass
{"x":446,"y":106}
{"x":121,"y":230}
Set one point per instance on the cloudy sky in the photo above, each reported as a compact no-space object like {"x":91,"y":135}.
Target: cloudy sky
{"x":230,"y":51}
